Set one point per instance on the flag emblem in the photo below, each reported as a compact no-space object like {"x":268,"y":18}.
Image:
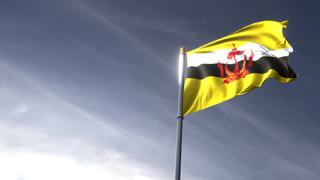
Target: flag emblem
{"x":236,"y":73}
{"x":235,"y":64}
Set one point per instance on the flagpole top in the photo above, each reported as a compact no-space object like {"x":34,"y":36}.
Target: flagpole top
{"x":182,"y":50}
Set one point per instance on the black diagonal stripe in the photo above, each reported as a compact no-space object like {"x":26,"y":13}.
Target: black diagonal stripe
{"x":261,"y":66}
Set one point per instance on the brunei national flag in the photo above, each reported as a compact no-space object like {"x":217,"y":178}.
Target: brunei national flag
{"x":236,"y":64}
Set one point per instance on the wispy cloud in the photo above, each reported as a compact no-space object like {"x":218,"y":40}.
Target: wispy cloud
{"x":41,"y":131}
{"x":137,"y":43}
{"x":37,"y":166}
{"x":177,"y":27}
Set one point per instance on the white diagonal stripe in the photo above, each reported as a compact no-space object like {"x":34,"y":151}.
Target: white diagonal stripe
{"x":220,"y":56}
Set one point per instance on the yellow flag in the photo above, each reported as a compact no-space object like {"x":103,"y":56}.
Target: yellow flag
{"x":236,"y":64}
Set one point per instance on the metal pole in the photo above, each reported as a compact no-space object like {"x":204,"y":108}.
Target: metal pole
{"x":182,"y":64}
{"x":179,"y":146}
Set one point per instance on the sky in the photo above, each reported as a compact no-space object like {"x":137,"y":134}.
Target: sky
{"x":88,"y":90}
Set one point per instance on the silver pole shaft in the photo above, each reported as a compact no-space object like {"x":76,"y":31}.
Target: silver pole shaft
{"x":179,"y":147}
{"x":182,"y":65}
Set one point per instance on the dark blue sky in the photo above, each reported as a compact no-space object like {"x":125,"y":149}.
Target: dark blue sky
{"x":88,"y":90}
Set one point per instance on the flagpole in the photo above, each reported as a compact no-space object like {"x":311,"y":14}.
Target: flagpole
{"x":182,"y":63}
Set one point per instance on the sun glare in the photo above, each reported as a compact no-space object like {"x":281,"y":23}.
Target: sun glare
{"x":34,"y":166}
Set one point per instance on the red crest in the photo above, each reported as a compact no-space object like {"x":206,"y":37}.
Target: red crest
{"x":236,"y":73}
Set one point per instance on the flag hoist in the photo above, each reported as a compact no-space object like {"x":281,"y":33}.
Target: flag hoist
{"x":231,"y":66}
